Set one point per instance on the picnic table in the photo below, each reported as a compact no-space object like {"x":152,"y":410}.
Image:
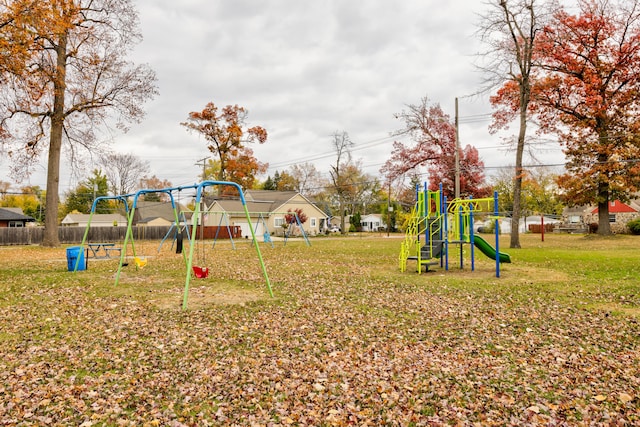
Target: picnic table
{"x":102,"y":250}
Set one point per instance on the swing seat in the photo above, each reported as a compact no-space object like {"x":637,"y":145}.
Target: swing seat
{"x":140,"y":262}
{"x":201,"y":272}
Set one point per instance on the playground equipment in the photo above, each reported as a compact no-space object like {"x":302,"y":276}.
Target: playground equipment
{"x":266,"y":235}
{"x":224,"y":216}
{"x":124,"y":198}
{"x":261,"y":227}
{"x":178,"y":231}
{"x":199,"y":271}
{"x":191,"y":269}
{"x":435,"y":225}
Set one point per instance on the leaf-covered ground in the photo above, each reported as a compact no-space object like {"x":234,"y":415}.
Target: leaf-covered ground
{"x":347,"y":340}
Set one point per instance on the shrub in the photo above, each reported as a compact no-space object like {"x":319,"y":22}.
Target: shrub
{"x":634,"y":226}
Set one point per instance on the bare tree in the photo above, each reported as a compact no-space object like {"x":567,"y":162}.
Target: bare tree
{"x":309,"y":179}
{"x":4,"y":188}
{"x":74,"y":77}
{"x":342,"y":146}
{"x":123,"y":172}
{"x":509,"y":29}
{"x":153,"y":182}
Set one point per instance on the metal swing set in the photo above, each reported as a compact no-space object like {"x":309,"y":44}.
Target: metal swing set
{"x":191,"y":269}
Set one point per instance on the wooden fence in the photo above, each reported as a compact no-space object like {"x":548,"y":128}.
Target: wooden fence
{"x":33,"y":235}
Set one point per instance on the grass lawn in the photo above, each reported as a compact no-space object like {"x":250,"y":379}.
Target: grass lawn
{"x":347,"y":340}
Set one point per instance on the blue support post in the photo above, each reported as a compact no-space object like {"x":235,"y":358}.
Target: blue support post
{"x":461,"y":236}
{"x":497,"y":227}
{"x":471,"y":237}
{"x":442,"y":214}
{"x":427,"y":226}
{"x":446,"y":233}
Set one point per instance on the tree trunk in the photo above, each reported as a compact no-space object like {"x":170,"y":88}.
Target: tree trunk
{"x":50,"y":237}
{"x":342,"y":218}
{"x":604,"y":226}
{"x":515,"y":218}
{"x":517,"y":187}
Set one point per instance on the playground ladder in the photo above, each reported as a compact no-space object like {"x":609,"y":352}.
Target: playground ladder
{"x":419,"y":224}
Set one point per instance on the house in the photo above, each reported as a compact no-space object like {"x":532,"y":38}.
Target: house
{"x":97,"y":220}
{"x":619,"y":215}
{"x":372,"y":222}
{"x":155,"y":222}
{"x":13,"y":217}
{"x":267,"y":211}
{"x":579,"y":218}
{"x":156,"y":213}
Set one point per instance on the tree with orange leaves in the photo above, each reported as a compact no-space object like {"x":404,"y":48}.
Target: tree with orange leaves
{"x":226,"y":135}
{"x":586,"y":90}
{"x":243,"y":168}
{"x":62,"y":74}
{"x":589,"y":95}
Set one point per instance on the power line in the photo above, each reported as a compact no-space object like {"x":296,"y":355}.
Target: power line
{"x":327,"y":154}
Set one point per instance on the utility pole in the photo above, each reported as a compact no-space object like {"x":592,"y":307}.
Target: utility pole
{"x":457,"y":158}
{"x":389,"y":209}
{"x":203,"y":162}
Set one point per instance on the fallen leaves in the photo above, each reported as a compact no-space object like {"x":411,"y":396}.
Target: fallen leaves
{"x":340,"y":345}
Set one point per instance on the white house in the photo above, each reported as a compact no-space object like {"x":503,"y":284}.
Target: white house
{"x":98,"y":220}
{"x":372,"y":222}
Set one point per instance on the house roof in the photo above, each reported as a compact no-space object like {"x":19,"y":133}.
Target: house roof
{"x":153,"y":218}
{"x":147,"y":210}
{"x":272,"y":199}
{"x":617,"y":207}
{"x":254,"y":208}
{"x":106,"y":218}
{"x":367,"y":216}
{"x":14,"y":214}
{"x":264,"y":201}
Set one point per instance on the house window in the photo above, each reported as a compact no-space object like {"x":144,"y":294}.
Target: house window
{"x":612,"y":217}
{"x":574,"y":219}
{"x":313,"y":222}
{"x":16,"y":224}
{"x":278,"y":221}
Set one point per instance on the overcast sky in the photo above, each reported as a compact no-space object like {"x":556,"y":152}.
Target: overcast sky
{"x":304,"y":70}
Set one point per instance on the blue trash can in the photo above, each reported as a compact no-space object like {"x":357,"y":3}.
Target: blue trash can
{"x":72,"y":256}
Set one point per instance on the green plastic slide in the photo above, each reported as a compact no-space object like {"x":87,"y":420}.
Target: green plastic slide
{"x":489,"y":250}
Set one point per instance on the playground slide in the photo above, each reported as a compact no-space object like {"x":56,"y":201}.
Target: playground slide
{"x":489,"y":250}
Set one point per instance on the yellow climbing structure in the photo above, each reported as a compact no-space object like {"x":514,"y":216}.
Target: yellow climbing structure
{"x":425,"y":220}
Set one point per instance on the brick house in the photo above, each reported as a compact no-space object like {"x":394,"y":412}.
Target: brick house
{"x":619,"y":215}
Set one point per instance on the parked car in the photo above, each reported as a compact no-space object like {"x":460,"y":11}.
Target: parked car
{"x":334,"y":229}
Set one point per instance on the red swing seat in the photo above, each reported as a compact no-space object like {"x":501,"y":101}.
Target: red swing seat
{"x":201,"y":272}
